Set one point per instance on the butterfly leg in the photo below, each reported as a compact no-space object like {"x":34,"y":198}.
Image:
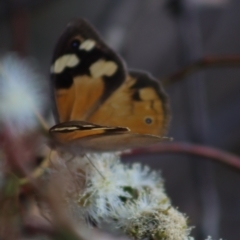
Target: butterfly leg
{"x":90,"y":161}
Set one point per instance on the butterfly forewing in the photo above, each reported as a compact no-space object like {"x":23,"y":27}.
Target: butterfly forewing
{"x":72,"y":130}
{"x":84,"y":71}
{"x":79,"y":137}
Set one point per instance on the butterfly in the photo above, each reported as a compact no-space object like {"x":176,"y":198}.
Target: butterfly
{"x":99,"y":104}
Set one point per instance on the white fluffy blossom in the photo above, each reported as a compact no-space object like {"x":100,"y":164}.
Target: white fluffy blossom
{"x":130,"y":198}
{"x":167,"y":224}
{"x":21,"y":93}
{"x":104,"y":185}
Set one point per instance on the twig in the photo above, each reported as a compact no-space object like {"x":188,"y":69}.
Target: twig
{"x":214,"y":154}
{"x":36,"y":225}
{"x":206,"y":62}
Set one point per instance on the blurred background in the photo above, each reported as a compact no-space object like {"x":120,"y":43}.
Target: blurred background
{"x":161,"y":36}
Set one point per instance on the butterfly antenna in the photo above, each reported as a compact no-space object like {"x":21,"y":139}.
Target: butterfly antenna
{"x":41,"y":121}
{"x":90,"y":161}
{"x":76,"y":180}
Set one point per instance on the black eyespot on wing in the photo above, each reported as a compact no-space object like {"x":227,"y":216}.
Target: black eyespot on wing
{"x":75,"y":44}
{"x":148,"y":120}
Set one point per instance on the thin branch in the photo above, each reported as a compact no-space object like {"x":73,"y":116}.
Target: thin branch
{"x":206,"y":62}
{"x":214,"y":154}
{"x":16,"y":150}
{"x":38,"y":226}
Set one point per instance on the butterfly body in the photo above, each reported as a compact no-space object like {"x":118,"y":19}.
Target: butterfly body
{"x":91,"y":85}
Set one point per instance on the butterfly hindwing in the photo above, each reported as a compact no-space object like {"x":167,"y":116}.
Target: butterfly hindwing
{"x":116,"y":142}
{"x":139,"y":103}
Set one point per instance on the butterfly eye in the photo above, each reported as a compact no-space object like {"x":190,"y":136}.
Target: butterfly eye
{"x":75,"y":44}
{"x":148,"y":120}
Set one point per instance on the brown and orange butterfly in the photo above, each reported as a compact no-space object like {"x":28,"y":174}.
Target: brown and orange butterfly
{"x":100,"y":106}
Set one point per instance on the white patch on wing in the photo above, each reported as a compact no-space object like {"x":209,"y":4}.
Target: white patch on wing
{"x":88,"y":45}
{"x":103,"y":68}
{"x":59,"y":129}
{"x":67,"y":60}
